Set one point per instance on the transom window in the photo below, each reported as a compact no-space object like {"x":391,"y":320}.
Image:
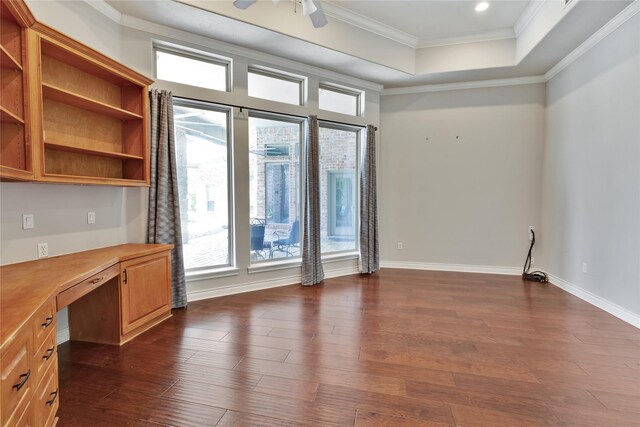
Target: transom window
{"x":192,"y":69}
{"x":340,"y":99}
{"x":276,"y":86}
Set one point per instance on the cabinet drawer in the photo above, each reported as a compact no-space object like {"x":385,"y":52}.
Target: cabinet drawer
{"x":44,"y":356}
{"x":45,"y":402}
{"x":76,"y":292}
{"x":43,"y":322}
{"x":16,"y":382}
{"x":26,"y":420}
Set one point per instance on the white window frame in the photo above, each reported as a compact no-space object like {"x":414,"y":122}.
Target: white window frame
{"x":231,"y":231}
{"x":198,"y":56}
{"x":302,"y":156}
{"x":301,"y":81}
{"x":358,"y":94}
{"x":360,"y":133}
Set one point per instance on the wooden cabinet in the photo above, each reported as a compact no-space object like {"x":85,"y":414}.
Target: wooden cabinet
{"x":102,"y":308}
{"x":15,"y":141}
{"x":145,"y":290}
{"x":29,"y":370}
{"x":124,"y":305}
{"x":69,"y":113}
{"x":16,"y":380}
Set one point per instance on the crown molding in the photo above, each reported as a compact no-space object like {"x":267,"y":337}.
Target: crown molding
{"x":500,"y":34}
{"x":371,"y":25}
{"x":204,"y":42}
{"x":626,"y":14}
{"x":527,"y":16}
{"x":465,"y":85}
{"x":106,"y":9}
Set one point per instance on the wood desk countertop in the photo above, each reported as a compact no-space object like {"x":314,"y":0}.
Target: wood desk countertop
{"x":25,"y":286}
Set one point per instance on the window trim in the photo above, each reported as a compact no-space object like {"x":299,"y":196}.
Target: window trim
{"x":197,"y":55}
{"x":359,"y":95}
{"x":359,"y":131}
{"x":301,"y":81}
{"x":231,"y":231}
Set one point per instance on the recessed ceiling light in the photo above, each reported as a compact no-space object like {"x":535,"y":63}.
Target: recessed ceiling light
{"x":482,"y":6}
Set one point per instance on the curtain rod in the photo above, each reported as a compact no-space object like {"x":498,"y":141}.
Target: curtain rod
{"x":242,"y":107}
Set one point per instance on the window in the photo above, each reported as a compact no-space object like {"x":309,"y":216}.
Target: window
{"x":340,"y":100}
{"x":338,"y":187}
{"x":274,"y":158}
{"x":192,"y":69}
{"x":275,"y":86}
{"x":202,"y":145}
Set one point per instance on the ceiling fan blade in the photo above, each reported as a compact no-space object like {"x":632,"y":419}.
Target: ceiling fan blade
{"x":318,"y":18}
{"x":243,"y":4}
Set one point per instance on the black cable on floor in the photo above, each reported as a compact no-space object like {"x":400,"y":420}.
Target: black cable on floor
{"x":535,"y":276}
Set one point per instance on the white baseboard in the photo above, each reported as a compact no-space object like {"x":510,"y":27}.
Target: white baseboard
{"x":595,"y":300}
{"x":262,"y":284}
{"x":62,"y":335}
{"x":460,"y":268}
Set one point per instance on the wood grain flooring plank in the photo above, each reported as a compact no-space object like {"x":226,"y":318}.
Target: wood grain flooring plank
{"x":397,"y":348}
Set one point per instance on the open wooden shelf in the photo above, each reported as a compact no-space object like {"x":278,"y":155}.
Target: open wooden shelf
{"x":7,"y":60}
{"x":72,"y":149}
{"x":61,"y":95}
{"x":7,"y":116}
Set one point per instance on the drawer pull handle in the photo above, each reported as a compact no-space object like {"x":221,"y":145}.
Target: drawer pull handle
{"x":48,"y":354}
{"x":49,"y":320}
{"x":53,"y":399}
{"x":24,"y":377}
{"x":94,"y":281}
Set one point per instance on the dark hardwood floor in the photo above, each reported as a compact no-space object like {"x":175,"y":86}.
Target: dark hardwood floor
{"x":402,"y":348}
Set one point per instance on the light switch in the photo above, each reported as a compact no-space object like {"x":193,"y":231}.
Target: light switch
{"x":91,"y":217}
{"x":27,"y":221}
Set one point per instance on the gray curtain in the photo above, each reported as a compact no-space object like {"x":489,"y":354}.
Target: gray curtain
{"x":312,"y":272}
{"x":164,"y":204}
{"x":369,"y":245}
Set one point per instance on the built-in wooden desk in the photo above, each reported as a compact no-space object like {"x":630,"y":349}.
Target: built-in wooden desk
{"x":113,"y":294}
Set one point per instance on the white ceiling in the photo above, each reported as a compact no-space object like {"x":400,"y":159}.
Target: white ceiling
{"x":397,"y":43}
{"x":437,"y":20}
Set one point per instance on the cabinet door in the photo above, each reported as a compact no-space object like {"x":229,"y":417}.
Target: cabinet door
{"x":145,"y":289}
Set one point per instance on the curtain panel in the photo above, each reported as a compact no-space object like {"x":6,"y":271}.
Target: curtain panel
{"x":369,"y":243}
{"x":312,"y":272}
{"x":164,"y":206}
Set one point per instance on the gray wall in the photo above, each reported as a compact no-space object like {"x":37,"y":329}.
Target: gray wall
{"x":466,"y":201}
{"x":591,"y":186}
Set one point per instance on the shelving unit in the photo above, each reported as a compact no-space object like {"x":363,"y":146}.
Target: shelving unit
{"x":94,"y":115}
{"x":68,"y":114}
{"x":15,"y":154}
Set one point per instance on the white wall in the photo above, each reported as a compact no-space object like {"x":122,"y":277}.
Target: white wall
{"x":591,"y":190}
{"x":468,"y":194}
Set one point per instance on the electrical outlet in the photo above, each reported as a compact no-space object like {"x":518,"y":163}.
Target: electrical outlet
{"x":530,"y":232}
{"x":400,"y":246}
{"x":27,"y":221}
{"x":533,"y":261}
{"x":91,"y":217}
{"x":584,"y":267}
{"x":43,"y":250}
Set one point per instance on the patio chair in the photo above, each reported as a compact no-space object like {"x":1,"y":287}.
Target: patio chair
{"x":285,"y":244}
{"x":258,"y":245}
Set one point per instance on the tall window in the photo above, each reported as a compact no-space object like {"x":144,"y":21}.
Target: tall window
{"x":202,"y":143}
{"x":338,"y":187}
{"x":274,"y":158}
